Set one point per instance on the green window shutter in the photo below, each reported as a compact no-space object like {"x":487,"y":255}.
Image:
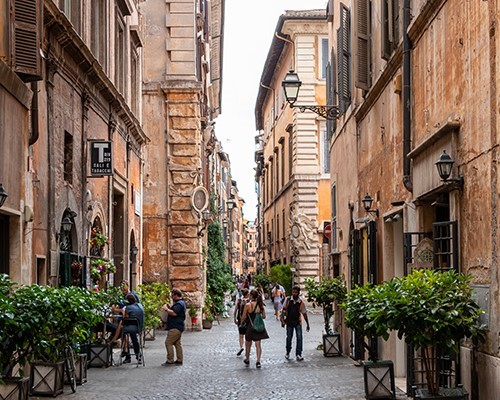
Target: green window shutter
{"x":26,"y":38}
{"x":386,"y":41}
{"x":362,"y":42}
{"x":344,"y":59}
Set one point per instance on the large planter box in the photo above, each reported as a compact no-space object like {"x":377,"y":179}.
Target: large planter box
{"x":379,"y":380}
{"x":81,"y":369}
{"x":207,"y":324}
{"x":15,"y":389}
{"x":458,"y":393}
{"x":100,"y":355}
{"x":46,"y":379}
{"x":150,"y":334}
{"x":331,"y":345}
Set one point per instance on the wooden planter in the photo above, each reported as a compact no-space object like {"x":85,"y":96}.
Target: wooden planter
{"x":207,"y":323}
{"x":100,"y":355}
{"x":379,"y":380}
{"x":15,"y":389}
{"x":331,"y":345}
{"x":458,"y":393}
{"x":149,"y":334}
{"x":46,"y":379}
{"x":81,"y":369}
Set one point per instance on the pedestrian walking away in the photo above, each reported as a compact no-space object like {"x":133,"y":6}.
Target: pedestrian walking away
{"x":238,"y":313}
{"x":175,"y":327}
{"x":251,"y":310}
{"x":294,"y":310}
{"x":277,"y":296}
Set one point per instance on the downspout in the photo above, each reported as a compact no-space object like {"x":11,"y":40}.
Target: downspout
{"x":407,"y":178}
{"x":35,"y":131}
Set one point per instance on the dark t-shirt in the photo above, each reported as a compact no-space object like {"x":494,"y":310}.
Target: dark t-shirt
{"x":177,"y":322}
{"x":136,"y":311}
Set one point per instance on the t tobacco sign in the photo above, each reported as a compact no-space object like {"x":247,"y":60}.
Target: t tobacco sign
{"x":101,"y":158}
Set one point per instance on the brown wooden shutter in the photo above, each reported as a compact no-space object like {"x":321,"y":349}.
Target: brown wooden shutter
{"x":362,"y":42}
{"x":386,"y":41}
{"x":395,"y":24}
{"x":344,"y":59}
{"x":26,"y":38}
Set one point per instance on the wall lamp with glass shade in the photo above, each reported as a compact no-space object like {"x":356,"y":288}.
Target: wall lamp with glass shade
{"x":367,"y":205}
{"x":444,"y":166}
{"x":133,"y":253}
{"x":3,"y":195}
{"x":291,"y":86}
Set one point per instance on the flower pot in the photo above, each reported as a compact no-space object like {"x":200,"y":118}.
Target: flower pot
{"x":379,"y":380}
{"x":81,"y":369}
{"x":458,"y":393}
{"x":207,"y":323}
{"x":194,"y":320}
{"x":15,"y":389}
{"x":331,"y":345}
{"x":149,"y":334}
{"x":46,"y":378}
{"x":100,"y":355}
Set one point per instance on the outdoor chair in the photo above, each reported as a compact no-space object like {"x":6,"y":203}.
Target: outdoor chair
{"x":131,"y":330}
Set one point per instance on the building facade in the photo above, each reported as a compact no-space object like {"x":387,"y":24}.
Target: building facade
{"x":250,"y":248}
{"x":416,"y":82}
{"x":292,"y":164}
{"x":181,"y":97}
{"x":84,"y":62}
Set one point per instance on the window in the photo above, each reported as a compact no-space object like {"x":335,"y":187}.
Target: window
{"x":324,"y":58}
{"x":390,"y":27}
{"x":134,"y":82}
{"x":68,"y":157}
{"x":277,"y":227}
{"x":98,"y":31}
{"x":277,"y":169}
{"x":282,"y":163}
{"x":344,"y":59}
{"x":362,"y":42}
{"x":71,"y":8}
{"x":325,"y":152}
{"x":120,"y":54}
{"x":284,"y":223}
{"x":290,"y":154}
{"x":26,"y":31}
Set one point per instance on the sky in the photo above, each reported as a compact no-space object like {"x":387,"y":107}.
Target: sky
{"x":248,"y":31}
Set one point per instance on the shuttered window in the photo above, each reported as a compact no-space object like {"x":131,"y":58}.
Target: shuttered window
{"x":26,"y":37}
{"x":391,"y":18}
{"x":362,"y":43}
{"x":330,"y":94}
{"x":344,"y":59}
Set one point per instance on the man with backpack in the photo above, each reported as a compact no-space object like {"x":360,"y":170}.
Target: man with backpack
{"x":294,"y":310}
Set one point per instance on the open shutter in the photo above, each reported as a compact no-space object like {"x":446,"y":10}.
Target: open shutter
{"x":395,"y":24}
{"x":386,"y":41}
{"x":362,"y":42}
{"x":26,"y":38}
{"x":329,"y":99}
{"x":344,"y":56}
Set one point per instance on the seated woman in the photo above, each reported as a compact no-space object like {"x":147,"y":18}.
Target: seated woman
{"x":132,"y":310}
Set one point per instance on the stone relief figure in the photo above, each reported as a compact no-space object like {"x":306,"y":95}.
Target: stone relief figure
{"x":302,"y":230}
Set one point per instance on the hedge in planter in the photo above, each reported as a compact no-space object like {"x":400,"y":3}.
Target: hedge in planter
{"x":153,"y":297}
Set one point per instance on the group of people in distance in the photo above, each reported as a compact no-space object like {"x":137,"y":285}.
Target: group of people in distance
{"x":289,"y":310}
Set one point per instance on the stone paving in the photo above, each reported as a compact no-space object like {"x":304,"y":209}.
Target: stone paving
{"x":211,"y":370}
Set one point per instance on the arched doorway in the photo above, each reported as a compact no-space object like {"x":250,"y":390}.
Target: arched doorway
{"x":71,"y":264}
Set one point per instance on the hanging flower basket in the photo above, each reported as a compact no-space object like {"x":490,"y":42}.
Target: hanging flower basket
{"x":99,"y":268}
{"x":98,"y":239}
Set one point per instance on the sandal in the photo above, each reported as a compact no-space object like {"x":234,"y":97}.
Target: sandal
{"x":247,"y":362}
{"x":257,"y":365}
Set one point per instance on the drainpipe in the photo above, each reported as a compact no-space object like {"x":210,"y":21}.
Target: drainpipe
{"x":35,"y":131}
{"x":407,"y":179}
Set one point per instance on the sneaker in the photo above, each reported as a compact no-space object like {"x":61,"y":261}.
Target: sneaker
{"x":167,"y":363}
{"x":287,"y":356}
{"x":127,"y":360}
{"x":178,"y":362}
{"x":247,"y":362}
{"x":239,"y":352}
{"x":257,"y":365}
{"x":300,"y":358}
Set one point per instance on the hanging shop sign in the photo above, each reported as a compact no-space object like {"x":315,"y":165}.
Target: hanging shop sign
{"x":101,"y":158}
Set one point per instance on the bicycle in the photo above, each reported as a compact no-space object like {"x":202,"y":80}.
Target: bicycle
{"x":69,"y":367}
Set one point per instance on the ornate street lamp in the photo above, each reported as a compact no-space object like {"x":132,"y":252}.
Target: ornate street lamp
{"x":444,"y":166}
{"x":3,"y":195}
{"x":367,"y":205}
{"x":66,"y":224}
{"x":291,"y":86}
{"x":133,"y":253}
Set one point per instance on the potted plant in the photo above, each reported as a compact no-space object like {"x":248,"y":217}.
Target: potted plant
{"x":432,"y":310}
{"x":193,"y":314}
{"x":363,"y":314}
{"x":99,"y":269}
{"x":208,"y":317}
{"x":153,"y":297}
{"x":324,"y":294}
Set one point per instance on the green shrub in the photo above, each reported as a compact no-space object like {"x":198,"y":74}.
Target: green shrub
{"x":153,"y":296}
{"x":262,"y":280}
{"x":282,"y":273}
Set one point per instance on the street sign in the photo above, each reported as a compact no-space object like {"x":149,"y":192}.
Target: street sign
{"x":101,"y":158}
{"x":327,"y":230}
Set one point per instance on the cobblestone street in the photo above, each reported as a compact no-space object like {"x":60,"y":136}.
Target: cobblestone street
{"x":211,"y":370}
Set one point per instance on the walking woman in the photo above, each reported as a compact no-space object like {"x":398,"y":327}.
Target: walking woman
{"x":254,"y":307}
{"x":238,"y":313}
{"x":277,"y":296}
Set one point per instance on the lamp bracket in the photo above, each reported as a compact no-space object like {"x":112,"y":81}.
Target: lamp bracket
{"x":327,"y":112}
{"x":454,"y":183}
